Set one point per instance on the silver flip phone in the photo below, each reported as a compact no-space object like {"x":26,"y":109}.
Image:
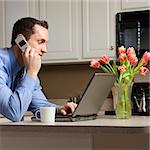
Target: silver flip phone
{"x":21,"y":42}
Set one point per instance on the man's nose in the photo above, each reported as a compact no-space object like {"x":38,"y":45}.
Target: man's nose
{"x":44,"y":49}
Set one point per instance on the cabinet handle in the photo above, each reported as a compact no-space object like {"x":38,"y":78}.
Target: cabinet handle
{"x":111,"y":48}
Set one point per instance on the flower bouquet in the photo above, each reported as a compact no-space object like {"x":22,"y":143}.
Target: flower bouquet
{"x":127,"y":67}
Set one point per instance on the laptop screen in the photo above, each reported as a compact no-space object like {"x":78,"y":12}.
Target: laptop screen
{"x":95,"y":94}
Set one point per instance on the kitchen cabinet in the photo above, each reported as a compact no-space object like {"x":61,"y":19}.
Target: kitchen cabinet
{"x":79,"y":29}
{"x":2,"y":37}
{"x":64,"y":18}
{"x":10,"y":11}
{"x":99,"y":28}
{"x":103,"y":133}
{"x":135,"y":4}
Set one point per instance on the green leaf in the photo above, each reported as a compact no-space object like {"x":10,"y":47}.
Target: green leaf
{"x":115,"y":67}
{"x":126,"y":75}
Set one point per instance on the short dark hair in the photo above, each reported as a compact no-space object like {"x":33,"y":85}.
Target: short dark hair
{"x":25,"y":26}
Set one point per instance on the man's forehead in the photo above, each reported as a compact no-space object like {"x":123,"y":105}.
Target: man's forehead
{"x":39,"y":28}
{"x":41,"y":32}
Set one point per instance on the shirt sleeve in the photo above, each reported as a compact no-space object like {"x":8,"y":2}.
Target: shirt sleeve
{"x":39,"y":99}
{"x":27,"y":95}
{"x":13,"y":104}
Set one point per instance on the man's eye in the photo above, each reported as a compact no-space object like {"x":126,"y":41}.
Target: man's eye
{"x":40,"y":42}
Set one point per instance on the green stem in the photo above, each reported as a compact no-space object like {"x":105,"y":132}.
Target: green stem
{"x":104,"y":69}
{"x":123,"y":109}
{"x":109,"y":69}
{"x":112,"y":70}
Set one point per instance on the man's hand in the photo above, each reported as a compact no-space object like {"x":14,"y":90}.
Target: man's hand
{"x":32,"y":61}
{"x":67,"y":108}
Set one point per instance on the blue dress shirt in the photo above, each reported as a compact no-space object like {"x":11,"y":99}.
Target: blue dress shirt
{"x":18,"y":91}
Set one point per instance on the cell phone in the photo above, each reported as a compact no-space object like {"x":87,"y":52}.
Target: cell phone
{"x":21,"y":42}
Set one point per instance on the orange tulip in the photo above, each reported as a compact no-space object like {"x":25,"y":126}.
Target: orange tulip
{"x":104,"y":59}
{"x":122,"y":68}
{"x":127,"y":67}
{"x":95,"y":63}
{"x":144,"y":71}
{"x":122,"y":57}
{"x":130,"y":51}
{"x":121,"y":50}
{"x":133,"y":59}
{"x":145,"y":57}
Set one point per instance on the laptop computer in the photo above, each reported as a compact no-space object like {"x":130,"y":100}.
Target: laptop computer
{"x":92,"y":99}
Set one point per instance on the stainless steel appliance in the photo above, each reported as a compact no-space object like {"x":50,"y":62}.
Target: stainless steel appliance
{"x":133,"y":29}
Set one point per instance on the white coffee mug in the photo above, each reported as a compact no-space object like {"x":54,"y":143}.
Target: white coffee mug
{"x":47,"y":114}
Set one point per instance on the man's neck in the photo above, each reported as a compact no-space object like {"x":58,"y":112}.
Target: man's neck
{"x":18,"y":55}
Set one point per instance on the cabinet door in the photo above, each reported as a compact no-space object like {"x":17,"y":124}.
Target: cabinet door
{"x":98,"y":20}
{"x":10,"y":12}
{"x":131,"y":4}
{"x":64,"y":19}
{"x":2,"y":25}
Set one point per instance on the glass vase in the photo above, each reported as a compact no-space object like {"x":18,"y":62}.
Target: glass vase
{"x":123,"y":108}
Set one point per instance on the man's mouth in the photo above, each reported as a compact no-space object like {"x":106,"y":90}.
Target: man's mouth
{"x":41,"y":55}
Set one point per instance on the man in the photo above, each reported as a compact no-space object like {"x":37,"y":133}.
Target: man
{"x":20,"y":89}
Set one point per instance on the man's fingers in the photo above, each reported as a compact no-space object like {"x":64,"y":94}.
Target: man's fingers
{"x":68,"y":108}
{"x":72,"y":106}
{"x":27,"y":51}
{"x":32,"y":52}
{"x":62,"y":111}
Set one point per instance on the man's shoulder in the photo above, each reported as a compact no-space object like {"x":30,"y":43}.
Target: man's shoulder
{"x":5,"y":49}
{"x":4,"y":55}
{"x":4,"y":52}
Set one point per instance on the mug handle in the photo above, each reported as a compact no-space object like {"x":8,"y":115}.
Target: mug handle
{"x":37,"y":114}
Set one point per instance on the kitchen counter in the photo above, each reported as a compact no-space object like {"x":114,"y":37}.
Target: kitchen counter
{"x":101,"y":121}
{"x":127,"y":134}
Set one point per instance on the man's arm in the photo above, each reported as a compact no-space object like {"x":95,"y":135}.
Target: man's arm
{"x":13,"y":104}
{"x":39,"y":99}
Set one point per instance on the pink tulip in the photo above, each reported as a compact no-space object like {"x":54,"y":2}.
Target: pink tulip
{"x":104,"y":59}
{"x":122,"y":68}
{"x":145,"y":57}
{"x":121,"y":50}
{"x":133,"y":59}
{"x":122,"y":57}
{"x":144,"y":71}
{"x":130,"y":51}
{"x":95,"y":63}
